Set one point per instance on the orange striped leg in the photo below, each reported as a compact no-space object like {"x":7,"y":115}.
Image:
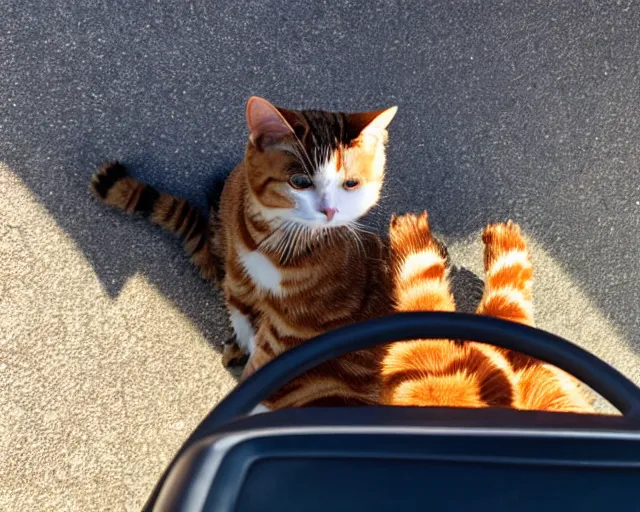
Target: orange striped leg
{"x":509,"y":274}
{"x":508,"y":282}
{"x":420,"y":261}
{"x":507,"y":295}
{"x":420,"y":284}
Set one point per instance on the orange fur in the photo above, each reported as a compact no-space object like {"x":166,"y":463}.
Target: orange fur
{"x":468,"y":374}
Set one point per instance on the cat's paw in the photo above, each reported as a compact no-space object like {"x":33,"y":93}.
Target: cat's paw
{"x":410,"y":233}
{"x":106,"y":177}
{"x":504,"y":235}
{"x":502,"y":238}
{"x":232,"y":354}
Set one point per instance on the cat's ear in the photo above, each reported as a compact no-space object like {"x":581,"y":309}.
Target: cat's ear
{"x":371,"y":123}
{"x":267,"y":126}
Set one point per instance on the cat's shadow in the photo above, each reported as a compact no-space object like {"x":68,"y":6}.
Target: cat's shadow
{"x":467,"y":289}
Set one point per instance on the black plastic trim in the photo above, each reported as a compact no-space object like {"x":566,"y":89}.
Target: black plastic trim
{"x":223,"y":462}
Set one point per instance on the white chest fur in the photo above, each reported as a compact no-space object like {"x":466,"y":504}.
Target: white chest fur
{"x":262,"y":271}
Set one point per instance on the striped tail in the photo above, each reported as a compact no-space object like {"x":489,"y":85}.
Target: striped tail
{"x":509,"y":274}
{"x":420,"y":263}
{"x":113,"y":185}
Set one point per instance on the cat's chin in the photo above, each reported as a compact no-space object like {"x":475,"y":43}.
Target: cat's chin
{"x":322,"y":225}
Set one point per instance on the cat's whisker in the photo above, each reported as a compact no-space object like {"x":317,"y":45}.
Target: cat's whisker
{"x":292,"y":232}
{"x":363,"y":229}
{"x":296,"y":153}
{"x":313,"y":237}
{"x":304,"y":159}
{"x":281,"y":250}
{"x":349,"y":235}
{"x":298,"y":245}
{"x":327,"y":155}
{"x":359,"y":242}
{"x":267,"y":241}
{"x":331,"y":235}
{"x":293,"y":242}
{"x":284,"y":239}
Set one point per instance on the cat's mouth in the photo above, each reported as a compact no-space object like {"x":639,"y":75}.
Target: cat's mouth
{"x":322,"y":221}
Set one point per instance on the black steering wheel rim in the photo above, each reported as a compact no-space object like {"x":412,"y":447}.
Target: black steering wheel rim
{"x":601,"y":377}
{"x":617,"y":389}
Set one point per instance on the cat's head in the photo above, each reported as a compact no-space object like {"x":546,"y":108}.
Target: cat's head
{"x":315,"y":168}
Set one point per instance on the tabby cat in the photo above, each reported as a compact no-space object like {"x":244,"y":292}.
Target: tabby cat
{"x":285,"y":243}
{"x":468,"y":374}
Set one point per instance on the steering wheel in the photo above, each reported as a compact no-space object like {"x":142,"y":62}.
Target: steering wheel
{"x":602,"y":378}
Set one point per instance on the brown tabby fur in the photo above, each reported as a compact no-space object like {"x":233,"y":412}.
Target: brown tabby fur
{"x":468,"y":374}
{"x":337,"y":281}
{"x":327,"y":279}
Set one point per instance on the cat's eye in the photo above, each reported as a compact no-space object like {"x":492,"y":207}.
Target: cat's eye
{"x":351,"y":184}
{"x":300,"y":181}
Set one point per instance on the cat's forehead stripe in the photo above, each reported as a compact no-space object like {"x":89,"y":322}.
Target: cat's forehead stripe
{"x":327,"y":129}
{"x":338,"y":159}
{"x":326,"y":136}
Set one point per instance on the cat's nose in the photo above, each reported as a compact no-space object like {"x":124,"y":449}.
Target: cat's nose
{"x":329,"y":212}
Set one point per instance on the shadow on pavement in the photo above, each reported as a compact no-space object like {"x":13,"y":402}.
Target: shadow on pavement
{"x":504,"y":112}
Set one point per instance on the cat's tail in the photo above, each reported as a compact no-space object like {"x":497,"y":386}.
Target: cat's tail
{"x":113,"y":185}
{"x":420,"y":266}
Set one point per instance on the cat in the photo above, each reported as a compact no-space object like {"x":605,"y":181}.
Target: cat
{"x":450,"y":373}
{"x":285,"y":243}
{"x":286,"y":248}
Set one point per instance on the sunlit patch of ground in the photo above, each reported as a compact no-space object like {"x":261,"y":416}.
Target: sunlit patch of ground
{"x":96,"y":393}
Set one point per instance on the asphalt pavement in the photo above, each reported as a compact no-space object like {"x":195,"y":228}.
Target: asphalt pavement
{"x":108,"y":339}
